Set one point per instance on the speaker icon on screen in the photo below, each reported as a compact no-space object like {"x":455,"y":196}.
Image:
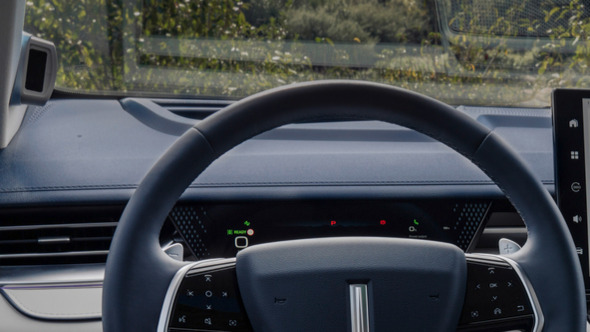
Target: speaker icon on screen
{"x":577,"y":219}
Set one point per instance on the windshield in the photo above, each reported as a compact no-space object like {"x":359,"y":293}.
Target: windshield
{"x":473,"y":52}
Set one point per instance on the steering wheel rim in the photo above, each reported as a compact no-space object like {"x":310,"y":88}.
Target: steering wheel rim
{"x":136,"y":264}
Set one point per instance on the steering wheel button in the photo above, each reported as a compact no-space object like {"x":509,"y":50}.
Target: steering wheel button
{"x":182,"y":319}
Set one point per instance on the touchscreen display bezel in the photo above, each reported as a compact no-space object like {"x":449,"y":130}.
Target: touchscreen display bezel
{"x":571,"y":139}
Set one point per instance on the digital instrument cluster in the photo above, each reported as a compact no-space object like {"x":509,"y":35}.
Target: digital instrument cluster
{"x":221,"y":230}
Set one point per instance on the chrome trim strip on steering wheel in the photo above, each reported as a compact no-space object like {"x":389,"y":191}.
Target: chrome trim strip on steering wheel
{"x":169,"y":299}
{"x":359,"y":308}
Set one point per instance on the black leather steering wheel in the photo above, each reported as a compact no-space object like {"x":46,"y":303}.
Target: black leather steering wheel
{"x":138,"y":274}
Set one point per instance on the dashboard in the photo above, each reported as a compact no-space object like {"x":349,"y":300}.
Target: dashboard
{"x":306,"y":180}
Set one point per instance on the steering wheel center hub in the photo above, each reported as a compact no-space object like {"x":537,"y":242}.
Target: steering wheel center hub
{"x":335,"y":283}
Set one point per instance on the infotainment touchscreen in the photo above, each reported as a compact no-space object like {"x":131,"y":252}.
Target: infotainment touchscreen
{"x":571,"y":129}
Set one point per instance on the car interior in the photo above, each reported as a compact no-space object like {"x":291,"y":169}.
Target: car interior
{"x":334,"y":165}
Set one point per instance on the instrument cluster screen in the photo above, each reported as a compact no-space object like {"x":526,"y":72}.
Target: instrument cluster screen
{"x":221,"y":230}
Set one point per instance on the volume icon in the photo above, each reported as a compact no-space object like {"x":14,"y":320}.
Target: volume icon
{"x":577,"y":219}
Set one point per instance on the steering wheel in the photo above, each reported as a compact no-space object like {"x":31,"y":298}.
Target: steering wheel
{"x":342,"y":284}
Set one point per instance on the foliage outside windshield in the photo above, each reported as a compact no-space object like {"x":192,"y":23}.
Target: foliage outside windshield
{"x":475,"y":52}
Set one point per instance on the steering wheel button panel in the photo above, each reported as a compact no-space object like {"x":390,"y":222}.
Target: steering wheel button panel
{"x":207,"y":299}
{"x":496,"y":296}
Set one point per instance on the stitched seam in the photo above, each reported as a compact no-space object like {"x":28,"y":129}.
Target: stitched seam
{"x":206,"y":140}
{"x":281,"y":183}
{"x":81,"y":187}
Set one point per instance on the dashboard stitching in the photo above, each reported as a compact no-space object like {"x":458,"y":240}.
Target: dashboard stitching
{"x":350,"y":183}
{"x":80,"y":187}
{"x":224,"y":184}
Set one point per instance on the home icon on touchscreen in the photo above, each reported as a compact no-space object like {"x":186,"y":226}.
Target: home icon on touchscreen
{"x":573,"y":123}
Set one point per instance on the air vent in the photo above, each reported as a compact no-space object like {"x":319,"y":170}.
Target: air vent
{"x":193,"y":109}
{"x":56,"y":235}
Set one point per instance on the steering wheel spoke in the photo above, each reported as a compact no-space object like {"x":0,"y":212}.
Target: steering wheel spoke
{"x":204,"y":296}
{"x":498,"y":297}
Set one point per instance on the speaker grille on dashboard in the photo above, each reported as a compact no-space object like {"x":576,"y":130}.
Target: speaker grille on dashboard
{"x":191,"y":224}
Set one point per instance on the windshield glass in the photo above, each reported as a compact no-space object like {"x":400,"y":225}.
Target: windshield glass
{"x":473,"y":52}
